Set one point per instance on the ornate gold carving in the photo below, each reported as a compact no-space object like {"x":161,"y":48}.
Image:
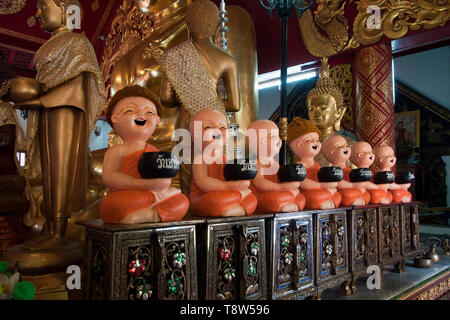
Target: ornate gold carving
{"x":342,"y":76}
{"x":11,"y":7}
{"x":31,"y":22}
{"x":152,"y":51}
{"x":329,"y":18}
{"x":128,"y":29}
{"x":436,"y":292}
{"x":397,"y":18}
{"x":283,"y":128}
{"x":95,"y":5}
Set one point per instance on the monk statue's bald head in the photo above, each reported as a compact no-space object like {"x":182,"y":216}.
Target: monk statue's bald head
{"x":209,"y":126}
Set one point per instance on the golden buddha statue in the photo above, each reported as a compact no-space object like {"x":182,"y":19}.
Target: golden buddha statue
{"x":326,"y":108}
{"x":163,"y":26}
{"x":72,"y":98}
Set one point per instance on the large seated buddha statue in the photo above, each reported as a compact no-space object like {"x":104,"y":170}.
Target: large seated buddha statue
{"x":163,"y":26}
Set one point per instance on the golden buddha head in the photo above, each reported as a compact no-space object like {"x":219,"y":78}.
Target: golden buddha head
{"x":202,"y":18}
{"x":325,"y":104}
{"x":52,"y":14}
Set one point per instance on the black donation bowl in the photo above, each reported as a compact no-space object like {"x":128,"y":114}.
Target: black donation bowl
{"x":330,"y":174}
{"x":383,"y":177}
{"x":291,"y":172}
{"x":240,"y":170}
{"x":158,"y":164}
{"x":360,"y":175}
{"x":404,"y":177}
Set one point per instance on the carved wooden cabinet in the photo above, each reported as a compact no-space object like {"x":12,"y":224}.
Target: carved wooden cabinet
{"x":409,"y":213}
{"x":155,"y":261}
{"x":232,"y":258}
{"x":331,"y":250}
{"x":362,"y":240}
{"x":389,"y":236}
{"x":291,"y":260}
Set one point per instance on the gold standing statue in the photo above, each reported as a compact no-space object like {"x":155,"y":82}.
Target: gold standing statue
{"x":72,"y":97}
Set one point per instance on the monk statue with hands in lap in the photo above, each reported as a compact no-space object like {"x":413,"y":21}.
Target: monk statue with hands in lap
{"x":272,"y":195}
{"x":211,"y":194}
{"x":134,"y":113}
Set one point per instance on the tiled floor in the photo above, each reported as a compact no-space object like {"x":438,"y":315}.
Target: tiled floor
{"x":394,"y":284}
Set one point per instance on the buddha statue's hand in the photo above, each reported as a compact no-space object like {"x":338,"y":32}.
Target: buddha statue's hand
{"x":238,"y":185}
{"x":159,"y":184}
{"x":289,"y":186}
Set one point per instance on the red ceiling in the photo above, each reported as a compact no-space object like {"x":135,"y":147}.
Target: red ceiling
{"x":16,"y":35}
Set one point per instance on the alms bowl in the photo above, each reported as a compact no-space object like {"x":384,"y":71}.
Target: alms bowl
{"x":240,"y":170}
{"x":330,"y":174}
{"x":404,"y":177}
{"x":291,"y":172}
{"x":23,"y":89}
{"x":158,"y":164}
{"x":383,"y":177}
{"x":360,"y":175}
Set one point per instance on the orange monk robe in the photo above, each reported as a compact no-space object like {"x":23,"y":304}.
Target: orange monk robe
{"x":271,"y":201}
{"x":119,"y":204}
{"x":315,"y":197}
{"x":214,"y":203}
{"x":351,"y":194}
{"x":378,"y":194}
{"x":399,"y":194}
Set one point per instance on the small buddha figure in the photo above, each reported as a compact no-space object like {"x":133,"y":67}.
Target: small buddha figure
{"x":362,"y":157}
{"x":303,"y":139}
{"x":385,"y":159}
{"x":211,"y":194}
{"x":272,"y":195}
{"x":326,"y":108}
{"x":134,"y":113}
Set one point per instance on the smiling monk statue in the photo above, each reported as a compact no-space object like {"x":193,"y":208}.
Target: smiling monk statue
{"x":303,"y":139}
{"x":134,"y":113}
{"x":210,"y":194}
{"x":272,"y":195}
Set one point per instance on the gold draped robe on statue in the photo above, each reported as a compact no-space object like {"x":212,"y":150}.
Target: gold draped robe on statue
{"x":74,"y":98}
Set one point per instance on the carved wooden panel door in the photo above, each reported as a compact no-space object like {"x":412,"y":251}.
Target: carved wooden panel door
{"x":292,"y":258}
{"x":388,"y":234}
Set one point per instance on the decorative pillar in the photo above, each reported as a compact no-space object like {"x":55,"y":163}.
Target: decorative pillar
{"x":374,"y":97}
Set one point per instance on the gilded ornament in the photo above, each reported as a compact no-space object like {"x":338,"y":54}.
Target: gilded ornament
{"x":11,"y":7}
{"x":397,"y":18}
{"x":328,"y":18}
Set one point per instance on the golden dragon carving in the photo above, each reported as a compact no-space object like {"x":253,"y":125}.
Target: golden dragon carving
{"x":327,"y":18}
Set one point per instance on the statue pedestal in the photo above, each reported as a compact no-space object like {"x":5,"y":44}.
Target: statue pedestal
{"x":50,"y":286}
{"x":147,"y":261}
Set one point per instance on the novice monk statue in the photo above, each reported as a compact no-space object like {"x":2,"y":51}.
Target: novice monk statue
{"x":134,"y":113}
{"x":210,"y":194}
{"x":272,"y":195}
{"x":336,"y":150}
{"x":362,"y":157}
{"x":303,"y":139}
{"x":384,"y":161}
